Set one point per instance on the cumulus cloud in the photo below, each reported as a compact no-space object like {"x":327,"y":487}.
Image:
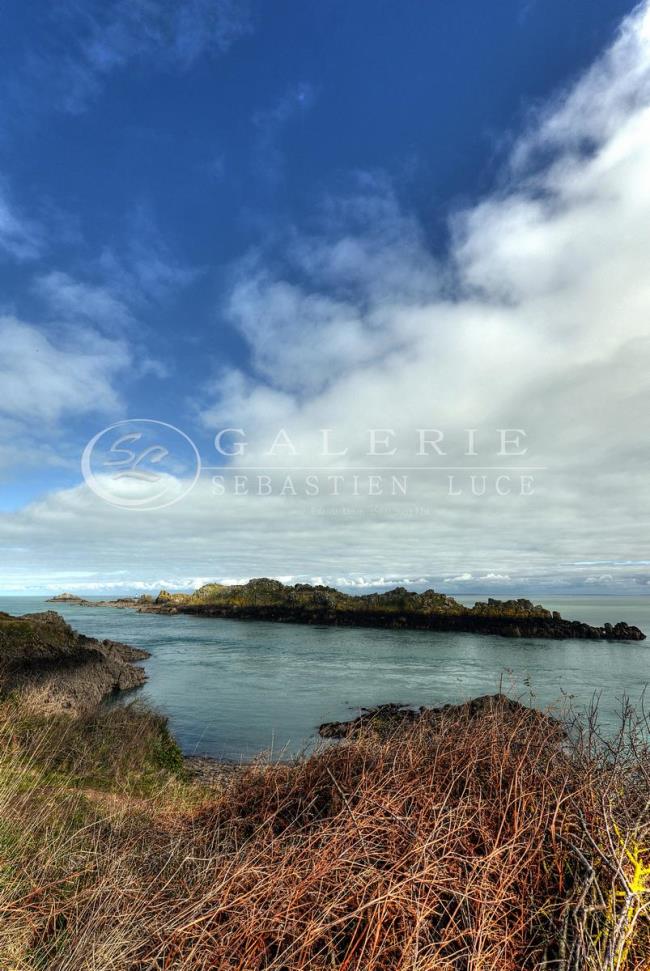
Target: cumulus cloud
{"x":86,"y":339}
{"x":339,"y":306}
{"x":45,"y":379}
{"x":73,"y":363}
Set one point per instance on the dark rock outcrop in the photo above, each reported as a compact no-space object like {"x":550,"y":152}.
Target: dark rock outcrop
{"x":385,"y":719}
{"x":58,"y":669}
{"x":67,"y":598}
{"x":125,"y":603}
{"x":271,"y":600}
{"x":135,"y":603}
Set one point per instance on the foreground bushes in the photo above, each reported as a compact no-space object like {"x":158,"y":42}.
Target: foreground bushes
{"x":487,"y":840}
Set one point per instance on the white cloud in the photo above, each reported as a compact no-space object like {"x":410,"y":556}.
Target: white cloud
{"x":363,"y":278}
{"x":591,"y":111}
{"x":537,"y":319}
{"x":122,"y":30}
{"x":88,"y":339}
{"x":119,"y":291}
{"x":236,"y":397}
{"x":73,"y":300}
{"x":104,"y":36}
{"x":230,"y":538}
{"x":20,"y":237}
{"x":23,"y":446}
{"x":144,"y":269}
{"x":44,"y":378}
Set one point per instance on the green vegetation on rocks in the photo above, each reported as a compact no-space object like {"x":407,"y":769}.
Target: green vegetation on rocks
{"x":264,"y":599}
{"x":42,"y":657}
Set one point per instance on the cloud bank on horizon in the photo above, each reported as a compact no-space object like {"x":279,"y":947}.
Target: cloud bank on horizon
{"x":535,"y":317}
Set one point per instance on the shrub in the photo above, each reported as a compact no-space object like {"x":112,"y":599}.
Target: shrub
{"x":486,"y":841}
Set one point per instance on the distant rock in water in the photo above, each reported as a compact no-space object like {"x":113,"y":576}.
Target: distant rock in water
{"x":58,"y":669}
{"x":126,"y":602}
{"x":67,"y":598}
{"x":270,"y":600}
{"x":385,"y":719}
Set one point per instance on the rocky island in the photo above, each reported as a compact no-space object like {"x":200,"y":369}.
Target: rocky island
{"x":122,"y":602}
{"x":46,"y":661}
{"x":270,"y":600}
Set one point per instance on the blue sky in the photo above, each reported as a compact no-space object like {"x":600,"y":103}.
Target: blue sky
{"x":210,"y":212}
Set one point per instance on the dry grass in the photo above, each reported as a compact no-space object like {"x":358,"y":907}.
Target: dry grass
{"x":484,"y":842}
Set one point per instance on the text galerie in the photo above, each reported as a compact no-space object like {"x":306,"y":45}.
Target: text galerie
{"x":378,"y":463}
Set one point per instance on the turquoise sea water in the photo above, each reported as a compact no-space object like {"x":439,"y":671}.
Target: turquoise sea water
{"x":233,"y":688}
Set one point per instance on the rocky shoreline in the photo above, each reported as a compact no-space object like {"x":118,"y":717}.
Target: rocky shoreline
{"x":209,"y":770}
{"x":57,"y":669}
{"x":270,"y":600}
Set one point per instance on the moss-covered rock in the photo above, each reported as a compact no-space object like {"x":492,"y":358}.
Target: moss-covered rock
{"x":58,"y":669}
{"x":265,"y":599}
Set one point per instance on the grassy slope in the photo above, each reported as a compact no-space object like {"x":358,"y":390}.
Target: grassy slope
{"x":488,"y":843}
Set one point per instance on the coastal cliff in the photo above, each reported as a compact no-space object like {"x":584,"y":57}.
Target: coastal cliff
{"x":49,"y":663}
{"x":270,"y":600}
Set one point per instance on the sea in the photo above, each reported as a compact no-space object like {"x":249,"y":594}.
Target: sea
{"x":234,"y":689}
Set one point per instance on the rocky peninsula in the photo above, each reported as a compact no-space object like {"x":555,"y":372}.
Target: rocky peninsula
{"x":270,"y":600}
{"x":59,"y":670}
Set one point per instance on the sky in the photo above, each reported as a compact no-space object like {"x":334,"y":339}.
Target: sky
{"x":395,"y":222}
